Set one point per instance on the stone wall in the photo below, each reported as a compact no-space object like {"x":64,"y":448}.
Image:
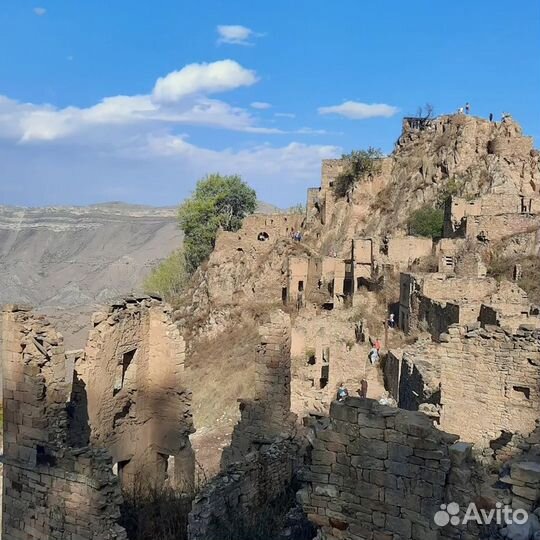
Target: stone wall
{"x":50,"y":489}
{"x":433,"y":302}
{"x":268,"y":415}
{"x":257,"y":234}
{"x":490,"y":382}
{"x":403,"y":251}
{"x":494,"y":228}
{"x":236,"y":497}
{"x":259,"y":464}
{"x":138,"y":406}
{"x":378,"y":473}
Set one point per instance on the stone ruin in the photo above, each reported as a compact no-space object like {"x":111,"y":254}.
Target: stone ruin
{"x":380,"y":473}
{"x":102,"y":418}
{"x":260,"y":462}
{"x":138,"y":407}
{"x":50,"y":489}
{"x":485,"y":382}
{"x":79,"y":426}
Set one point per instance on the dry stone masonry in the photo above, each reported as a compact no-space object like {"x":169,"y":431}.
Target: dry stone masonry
{"x":50,"y":489}
{"x":138,"y":406}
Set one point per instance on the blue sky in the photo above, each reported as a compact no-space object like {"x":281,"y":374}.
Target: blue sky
{"x":134,"y":101}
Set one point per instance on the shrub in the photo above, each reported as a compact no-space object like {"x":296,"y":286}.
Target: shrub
{"x":427,"y":221}
{"x":359,"y":164}
{"x":147,"y":514}
{"x":168,"y":278}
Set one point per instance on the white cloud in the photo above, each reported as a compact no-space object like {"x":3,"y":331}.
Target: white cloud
{"x":261,"y":105}
{"x":27,"y":122}
{"x":298,"y":160}
{"x":178,"y":98}
{"x":235,"y":34}
{"x":359,"y":111}
{"x":40,"y":11}
{"x":285,"y":115}
{"x":202,"y":78}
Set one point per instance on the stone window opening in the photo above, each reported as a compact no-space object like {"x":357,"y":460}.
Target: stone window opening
{"x":284,"y":295}
{"x":325,"y":373}
{"x":125,"y":371}
{"x":263,"y":236}
{"x":300,"y":286}
{"x":521,"y":392}
{"x":312,"y":360}
{"x":44,"y":458}
{"x":121,"y":470}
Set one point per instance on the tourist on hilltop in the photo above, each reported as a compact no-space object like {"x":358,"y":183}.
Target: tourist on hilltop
{"x":342,"y":392}
{"x":467,"y":108}
{"x":491,"y":117}
{"x":460,"y":110}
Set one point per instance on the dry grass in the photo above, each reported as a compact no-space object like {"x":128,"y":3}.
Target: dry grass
{"x":219,"y":372}
{"x":155,"y":513}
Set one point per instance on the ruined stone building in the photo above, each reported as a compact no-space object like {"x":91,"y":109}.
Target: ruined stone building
{"x":261,"y":460}
{"x":434,"y":301}
{"x":50,"y":489}
{"x":486,"y":381}
{"x":138,"y":406}
{"x":76,"y":426}
{"x":380,"y":473}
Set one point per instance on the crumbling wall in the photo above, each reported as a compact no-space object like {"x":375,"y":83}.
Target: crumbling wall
{"x":268,"y":415}
{"x":50,"y":490}
{"x":379,"y":473}
{"x":257,"y":234}
{"x":236,"y":496}
{"x":403,"y":251}
{"x":494,"y":228}
{"x":490,"y":382}
{"x":413,"y":376}
{"x":138,"y":406}
{"x":259,"y":464}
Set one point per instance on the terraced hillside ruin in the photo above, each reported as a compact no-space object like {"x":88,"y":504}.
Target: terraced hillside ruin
{"x":329,"y":375}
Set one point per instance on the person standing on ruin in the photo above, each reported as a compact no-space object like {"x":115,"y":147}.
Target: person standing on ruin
{"x":491,"y":117}
{"x":373,"y":356}
{"x":342,"y":392}
{"x":391,"y":321}
{"x":377,"y":345}
{"x":467,"y":108}
{"x":362,"y":391}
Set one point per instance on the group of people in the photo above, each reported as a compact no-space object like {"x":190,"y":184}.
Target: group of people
{"x":374,"y":357}
{"x":467,"y":110}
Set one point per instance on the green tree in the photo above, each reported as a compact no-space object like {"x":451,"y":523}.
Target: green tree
{"x":218,"y":202}
{"x":359,"y":164}
{"x":427,"y":221}
{"x":169,"y":277}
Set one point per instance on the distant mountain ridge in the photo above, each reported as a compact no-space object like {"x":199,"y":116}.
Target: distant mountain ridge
{"x":68,"y":259}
